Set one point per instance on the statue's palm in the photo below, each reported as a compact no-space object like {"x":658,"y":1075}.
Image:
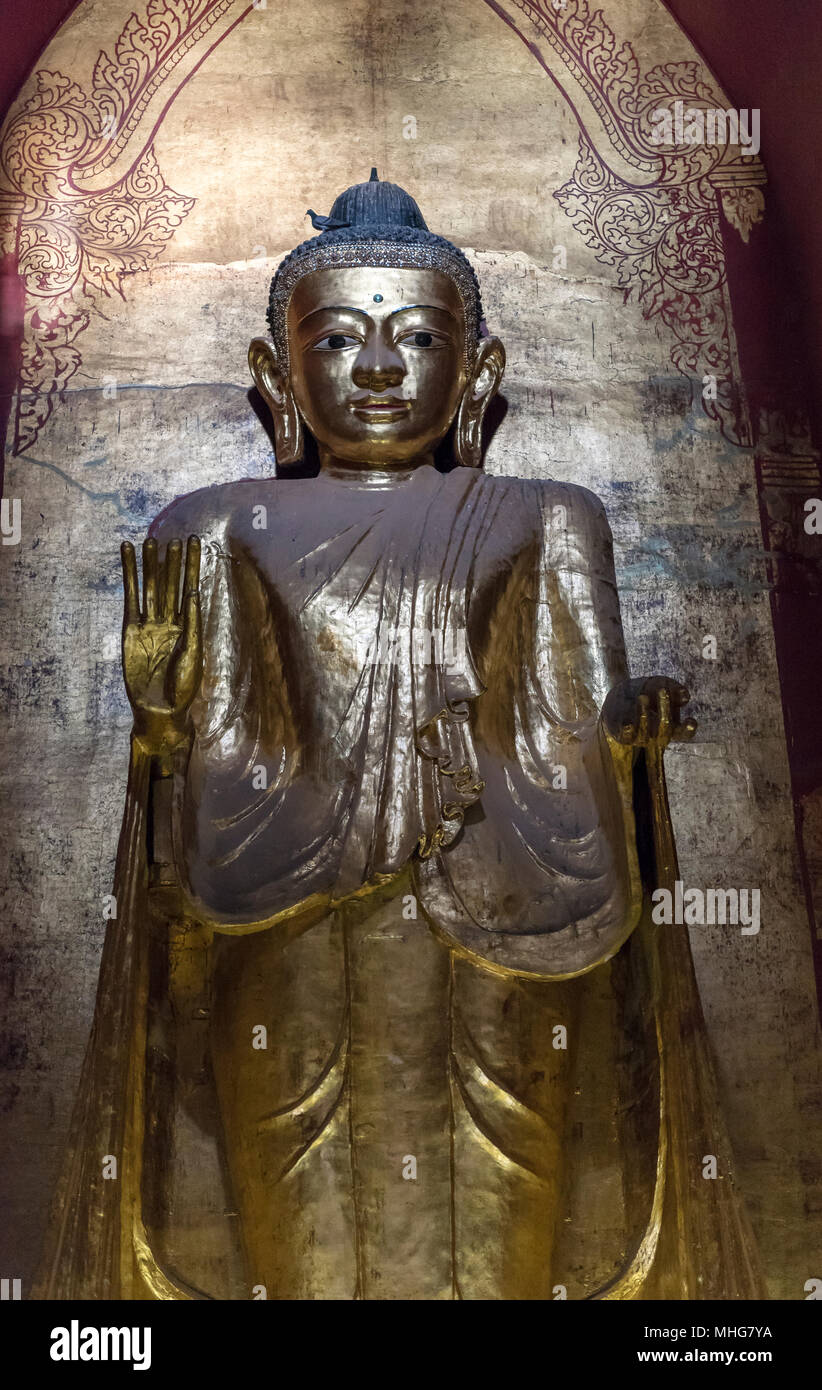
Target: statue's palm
{"x":648,"y":710}
{"x":162,"y":640}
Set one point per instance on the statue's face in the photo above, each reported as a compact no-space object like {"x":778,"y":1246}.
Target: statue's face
{"x":377,"y":360}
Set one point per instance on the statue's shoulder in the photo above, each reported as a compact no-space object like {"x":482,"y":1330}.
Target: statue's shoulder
{"x":208,"y":511}
{"x":581,"y":506}
{"x":578,"y":498}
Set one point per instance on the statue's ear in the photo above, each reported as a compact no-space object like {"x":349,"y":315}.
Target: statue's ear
{"x":275,"y":388}
{"x":481,"y":387}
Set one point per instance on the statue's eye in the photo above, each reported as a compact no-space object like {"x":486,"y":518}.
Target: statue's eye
{"x":422,"y":339}
{"x":335,"y":341}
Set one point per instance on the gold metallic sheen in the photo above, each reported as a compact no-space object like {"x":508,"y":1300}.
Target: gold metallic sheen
{"x":393,"y":798}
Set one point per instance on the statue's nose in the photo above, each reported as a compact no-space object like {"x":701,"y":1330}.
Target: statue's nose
{"x":378,"y":366}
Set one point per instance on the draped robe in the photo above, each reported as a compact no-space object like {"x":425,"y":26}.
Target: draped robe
{"x":390,"y":1028}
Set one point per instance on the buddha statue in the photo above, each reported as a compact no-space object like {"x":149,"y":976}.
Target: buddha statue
{"x":384,"y":1013}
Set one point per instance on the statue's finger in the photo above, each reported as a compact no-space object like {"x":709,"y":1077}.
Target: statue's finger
{"x":192,"y":623}
{"x":131,"y":590}
{"x":664,"y":708}
{"x":192,"y":575}
{"x":150,"y":568}
{"x":642,"y":728}
{"x":188,"y":666}
{"x":171,"y":580}
{"x":685,"y":731}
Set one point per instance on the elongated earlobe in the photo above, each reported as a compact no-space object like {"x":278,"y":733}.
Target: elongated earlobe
{"x":482,"y":386}
{"x":275,"y":389}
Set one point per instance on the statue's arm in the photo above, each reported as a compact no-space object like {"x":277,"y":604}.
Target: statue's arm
{"x":636,"y":717}
{"x":235,"y":749}
{"x":162,"y":668}
{"x":168,"y":1040}
{"x":579,"y":566}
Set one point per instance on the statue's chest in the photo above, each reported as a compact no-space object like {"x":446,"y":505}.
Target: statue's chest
{"x":358,"y":583}
{"x":373,"y":581}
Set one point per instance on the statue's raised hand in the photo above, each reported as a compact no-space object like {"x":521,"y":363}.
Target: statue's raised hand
{"x":647,"y":710}
{"x":162,"y":641}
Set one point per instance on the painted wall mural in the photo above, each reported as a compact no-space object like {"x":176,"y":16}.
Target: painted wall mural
{"x":85,"y":203}
{"x":78,"y":232}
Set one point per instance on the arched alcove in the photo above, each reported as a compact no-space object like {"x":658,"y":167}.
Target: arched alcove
{"x":150,"y":192}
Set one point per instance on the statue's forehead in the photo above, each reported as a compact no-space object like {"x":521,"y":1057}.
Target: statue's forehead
{"x":359,"y":287}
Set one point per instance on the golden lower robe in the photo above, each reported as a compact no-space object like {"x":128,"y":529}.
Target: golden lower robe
{"x":383,"y":1015}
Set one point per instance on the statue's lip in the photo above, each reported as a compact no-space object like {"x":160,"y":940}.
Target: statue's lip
{"x":381,"y":405}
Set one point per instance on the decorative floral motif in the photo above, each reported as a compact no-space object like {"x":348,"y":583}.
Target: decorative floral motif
{"x":666,"y":246}
{"x":743,"y":207}
{"x":76,"y":240}
{"x":661,"y":232}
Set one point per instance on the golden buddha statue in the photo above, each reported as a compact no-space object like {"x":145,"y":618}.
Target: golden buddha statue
{"x":383,"y":1013}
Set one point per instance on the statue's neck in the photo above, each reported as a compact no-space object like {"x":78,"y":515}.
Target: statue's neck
{"x":369,"y":474}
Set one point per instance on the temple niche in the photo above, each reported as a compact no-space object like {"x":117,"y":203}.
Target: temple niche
{"x":146,"y":249}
